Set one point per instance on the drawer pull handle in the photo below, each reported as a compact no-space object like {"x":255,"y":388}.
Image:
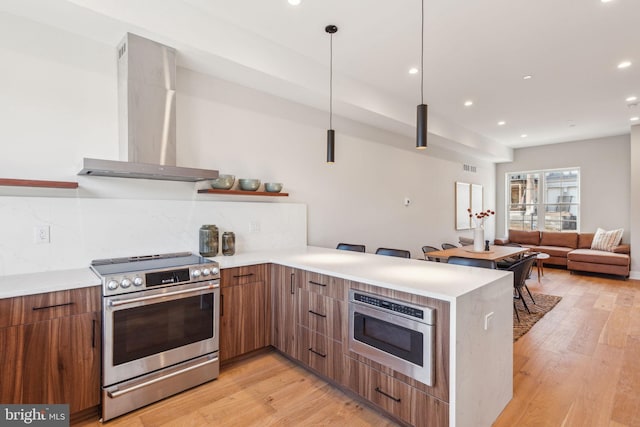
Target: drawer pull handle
{"x":291,"y":283}
{"x":317,"y":314}
{"x":237,"y":276}
{"x":317,"y":352}
{"x":52,"y":306}
{"x":387,"y":395}
{"x":318,"y":284}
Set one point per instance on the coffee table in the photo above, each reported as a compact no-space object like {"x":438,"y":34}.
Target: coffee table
{"x":540,"y":263}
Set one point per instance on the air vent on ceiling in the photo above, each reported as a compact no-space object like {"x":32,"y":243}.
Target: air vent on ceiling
{"x":469,"y":168}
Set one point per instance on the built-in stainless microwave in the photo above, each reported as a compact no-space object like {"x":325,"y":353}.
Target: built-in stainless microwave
{"x":394,"y":333}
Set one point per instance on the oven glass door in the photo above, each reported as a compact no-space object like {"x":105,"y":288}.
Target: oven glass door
{"x":389,"y":337}
{"x":151,"y":330}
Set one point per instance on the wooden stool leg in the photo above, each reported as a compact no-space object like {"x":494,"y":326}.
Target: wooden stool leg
{"x":539,"y":265}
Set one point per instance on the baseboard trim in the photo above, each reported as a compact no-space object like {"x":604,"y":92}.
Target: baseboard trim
{"x":634,"y":275}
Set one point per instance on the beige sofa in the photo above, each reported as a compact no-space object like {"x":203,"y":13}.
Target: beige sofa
{"x":573,"y":250}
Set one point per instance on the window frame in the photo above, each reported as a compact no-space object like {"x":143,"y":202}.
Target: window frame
{"x":541,"y":205}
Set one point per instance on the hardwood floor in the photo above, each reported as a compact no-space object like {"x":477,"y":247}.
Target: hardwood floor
{"x":266,"y":390}
{"x":578,"y":366}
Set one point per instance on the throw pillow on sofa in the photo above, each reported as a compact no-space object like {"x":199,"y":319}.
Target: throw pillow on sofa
{"x":606,"y":240}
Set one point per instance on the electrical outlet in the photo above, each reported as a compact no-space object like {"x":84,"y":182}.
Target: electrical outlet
{"x":488,"y":321}
{"x":255,"y":226}
{"x":42,"y":234}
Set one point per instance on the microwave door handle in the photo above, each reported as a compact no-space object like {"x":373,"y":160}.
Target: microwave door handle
{"x":116,"y":303}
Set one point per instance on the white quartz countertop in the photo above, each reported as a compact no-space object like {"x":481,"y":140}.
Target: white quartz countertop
{"x":49,"y":281}
{"x":431,"y":279}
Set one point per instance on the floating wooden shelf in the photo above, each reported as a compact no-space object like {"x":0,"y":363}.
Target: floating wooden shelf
{"x":37,"y":183}
{"x":243,"y":193}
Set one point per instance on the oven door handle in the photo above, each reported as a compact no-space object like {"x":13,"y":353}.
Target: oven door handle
{"x":116,"y":303}
{"x":118,"y":393}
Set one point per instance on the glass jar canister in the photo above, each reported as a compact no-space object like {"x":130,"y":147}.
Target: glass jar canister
{"x":208,"y":240}
{"x":228,"y":243}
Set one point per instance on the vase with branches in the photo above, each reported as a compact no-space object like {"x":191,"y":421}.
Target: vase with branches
{"x":478,"y":229}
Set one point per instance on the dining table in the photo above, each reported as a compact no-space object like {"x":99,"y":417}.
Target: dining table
{"x":495,"y":253}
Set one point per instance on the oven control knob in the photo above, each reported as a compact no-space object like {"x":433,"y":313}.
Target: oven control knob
{"x":215,"y":270}
{"x":206,"y":272}
{"x":137,"y":281}
{"x":196,"y":273}
{"x":112,"y":284}
{"x":125,"y":283}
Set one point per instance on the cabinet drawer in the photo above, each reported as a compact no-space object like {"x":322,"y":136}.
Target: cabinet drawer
{"x":241,"y":275}
{"x":35,"y":308}
{"x":393,"y":396}
{"x":320,"y":353}
{"x":321,"y":314}
{"x":324,"y":285}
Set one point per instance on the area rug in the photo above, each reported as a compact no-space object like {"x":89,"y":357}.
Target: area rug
{"x":544,"y":304}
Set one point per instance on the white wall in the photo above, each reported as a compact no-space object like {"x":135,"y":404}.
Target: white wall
{"x":635,"y":201}
{"x":59,"y":105}
{"x":604,"y":179}
{"x":358,"y":199}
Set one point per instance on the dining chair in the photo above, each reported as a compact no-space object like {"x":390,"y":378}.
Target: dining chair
{"x":401,"y":253}
{"x":426,"y":250}
{"x":520,"y":269}
{"x":350,"y":247}
{"x":448,"y":246}
{"x":472,"y":262}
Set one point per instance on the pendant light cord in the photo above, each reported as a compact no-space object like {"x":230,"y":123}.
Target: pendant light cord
{"x":331,"y":81}
{"x":422,"y":57}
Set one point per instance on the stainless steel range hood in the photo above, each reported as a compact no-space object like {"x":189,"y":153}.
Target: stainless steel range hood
{"x":147,"y":116}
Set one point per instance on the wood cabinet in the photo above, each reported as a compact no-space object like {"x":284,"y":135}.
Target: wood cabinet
{"x":322,"y":324}
{"x":51,"y":349}
{"x":285,"y":284}
{"x":396,"y":397}
{"x":243,"y":310}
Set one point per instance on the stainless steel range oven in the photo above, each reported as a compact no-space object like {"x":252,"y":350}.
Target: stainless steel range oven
{"x":160,"y":327}
{"x":394,"y":333}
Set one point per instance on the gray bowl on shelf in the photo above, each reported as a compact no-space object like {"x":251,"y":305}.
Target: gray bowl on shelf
{"x":273,"y":187}
{"x":223,"y":182}
{"x":249,"y":184}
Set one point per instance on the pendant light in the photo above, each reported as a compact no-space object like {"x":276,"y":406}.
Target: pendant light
{"x":421,"y":128}
{"x":331,"y":137}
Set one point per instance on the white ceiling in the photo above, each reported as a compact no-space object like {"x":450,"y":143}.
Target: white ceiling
{"x":477,"y":50}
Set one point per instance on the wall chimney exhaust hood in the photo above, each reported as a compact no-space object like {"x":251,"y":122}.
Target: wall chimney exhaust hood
{"x":146,"y":116}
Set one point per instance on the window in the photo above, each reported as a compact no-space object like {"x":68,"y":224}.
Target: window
{"x":556,"y":193}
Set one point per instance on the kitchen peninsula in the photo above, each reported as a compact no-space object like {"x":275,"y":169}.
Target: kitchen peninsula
{"x":473,"y":357}
{"x":480,"y":345}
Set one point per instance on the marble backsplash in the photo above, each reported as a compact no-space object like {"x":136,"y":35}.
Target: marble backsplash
{"x":82,"y":229}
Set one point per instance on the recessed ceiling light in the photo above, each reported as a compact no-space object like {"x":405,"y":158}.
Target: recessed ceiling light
{"x":634,"y":119}
{"x":624,"y":64}
{"x":502,"y":123}
{"x":294,"y":2}
{"x":606,"y":1}
{"x":413,"y":70}
{"x":631,"y":99}
{"x":527,"y":77}
{"x":524,"y":135}
{"x":468,"y":103}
